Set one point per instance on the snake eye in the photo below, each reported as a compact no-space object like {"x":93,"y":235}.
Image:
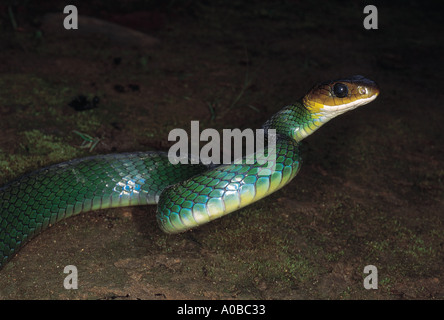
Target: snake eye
{"x":340,"y":90}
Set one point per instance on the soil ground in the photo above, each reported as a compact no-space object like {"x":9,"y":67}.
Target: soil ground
{"x":370,"y":191}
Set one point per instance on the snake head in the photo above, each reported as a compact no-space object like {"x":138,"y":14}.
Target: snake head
{"x":332,"y":98}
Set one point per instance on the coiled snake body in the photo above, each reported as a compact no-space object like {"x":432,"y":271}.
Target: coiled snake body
{"x":186,"y":195}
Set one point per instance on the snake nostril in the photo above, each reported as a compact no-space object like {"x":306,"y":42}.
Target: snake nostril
{"x":362,"y":90}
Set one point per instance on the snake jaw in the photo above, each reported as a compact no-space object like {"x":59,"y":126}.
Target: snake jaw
{"x":329,"y":112}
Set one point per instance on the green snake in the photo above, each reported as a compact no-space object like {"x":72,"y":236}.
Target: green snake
{"x":186,"y":195}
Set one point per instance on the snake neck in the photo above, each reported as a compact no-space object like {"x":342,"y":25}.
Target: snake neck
{"x":296,"y":121}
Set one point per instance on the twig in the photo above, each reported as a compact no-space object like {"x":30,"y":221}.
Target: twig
{"x":12,"y":18}
{"x":88,"y":141}
{"x":246,"y":82}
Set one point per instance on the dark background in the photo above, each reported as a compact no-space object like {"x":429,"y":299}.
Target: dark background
{"x":369,"y":192}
